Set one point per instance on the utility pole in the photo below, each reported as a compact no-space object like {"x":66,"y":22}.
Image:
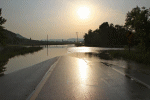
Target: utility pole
{"x":47,"y":44}
{"x":77,"y":36}
{"x":47,"y":39}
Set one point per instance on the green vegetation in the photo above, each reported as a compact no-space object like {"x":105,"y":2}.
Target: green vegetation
{"x":2,"y":36}
{"x":105,"y":55}
{"x":79,"y":44}
{"x":137,"y":23}
{"x":138,"y":19}
{"x":107,"y":35}
{"x":11,"y":51}
{"x":137,"y":56}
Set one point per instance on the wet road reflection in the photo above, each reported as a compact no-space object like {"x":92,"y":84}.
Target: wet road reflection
{"x":83,"y":75}
{"x":127,"y":65}
{"x":83,"y":68}
{"x":138,"y":74}
{"x":81,"y":79}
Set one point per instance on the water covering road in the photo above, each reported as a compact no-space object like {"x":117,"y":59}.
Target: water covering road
{"x":79,"y":74}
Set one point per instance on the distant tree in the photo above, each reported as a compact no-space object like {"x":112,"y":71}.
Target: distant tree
{"x":90,"y":33}
{"x":106,"y":36}
{"x":2,"y":36}
{"x":139,"y":20}
{"x":86,"y":39}
{"x":91,"y":38}
{"x":104,"y":26}
{"x":2,"y":20}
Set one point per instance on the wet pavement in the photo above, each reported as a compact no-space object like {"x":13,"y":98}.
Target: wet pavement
{"x":80,"y":78}
{"x":138,"y":72}
{"x":81,"y":74}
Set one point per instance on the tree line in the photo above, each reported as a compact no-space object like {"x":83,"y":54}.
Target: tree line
{"x":109,"y":35}
{"x":2,"y":35}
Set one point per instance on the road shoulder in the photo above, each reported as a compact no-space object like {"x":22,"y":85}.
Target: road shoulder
{"x":20,"y":84}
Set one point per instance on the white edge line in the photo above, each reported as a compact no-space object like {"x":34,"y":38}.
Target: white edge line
{"x":38,"y":88}
{"x":137,"y":80}
{"x":105,"y":81}
{"x":118,"y":71}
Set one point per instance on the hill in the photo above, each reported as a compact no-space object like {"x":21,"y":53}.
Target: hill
{"x":62,"y":40}
{"x":17,"y":39}
{"x":11,"y":37}
{"x":20,"y":36}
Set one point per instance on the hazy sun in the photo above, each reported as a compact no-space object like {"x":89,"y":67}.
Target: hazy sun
{"x":83,"y":12}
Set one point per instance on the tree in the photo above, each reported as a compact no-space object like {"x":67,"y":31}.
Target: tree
{"x":2,"y":36}
{"x":86,"y":38}
{"x":2,"y":20}
{"x":138,"y":19}
{"x":104,"y":26}
{"x":90,"y":33}
{"x":106,"y":36}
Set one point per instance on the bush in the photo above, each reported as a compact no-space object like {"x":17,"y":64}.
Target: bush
{"x":141,"y":57}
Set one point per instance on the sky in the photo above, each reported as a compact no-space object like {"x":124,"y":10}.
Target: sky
{"x":59,"y":19}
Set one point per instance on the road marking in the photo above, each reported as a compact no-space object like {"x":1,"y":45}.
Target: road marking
{"x":37,"y":90}
{"x":133,"y":78}
{"x":105,"y":82}
{"x":118,"y":71}
{"x":137,"y":80}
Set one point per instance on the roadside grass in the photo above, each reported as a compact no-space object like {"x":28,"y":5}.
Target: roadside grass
{"x":140,"y":57}
{"x":11,"y":51}
{"x":79,"y":44}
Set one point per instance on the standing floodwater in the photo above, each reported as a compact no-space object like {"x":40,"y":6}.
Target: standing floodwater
{"x":23,"y":61}
{"x":86,"y":53}
{"x":79,"y":71}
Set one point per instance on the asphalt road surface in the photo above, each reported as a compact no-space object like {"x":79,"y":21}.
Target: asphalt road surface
{"x":78,"y":79}
{"x":71,"y":78}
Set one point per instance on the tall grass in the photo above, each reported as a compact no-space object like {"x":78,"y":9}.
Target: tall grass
{"x":141,"y":57}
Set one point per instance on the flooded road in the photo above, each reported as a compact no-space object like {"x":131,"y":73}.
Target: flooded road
{"x":79,"y":74}
{"x":92,"y":54}
{"x":24,"y":61}
{"x":86,"y":53}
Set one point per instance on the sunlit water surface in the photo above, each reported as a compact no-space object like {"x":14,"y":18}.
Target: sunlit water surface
{"x":86,"y":54}
{"x":23,"y":61}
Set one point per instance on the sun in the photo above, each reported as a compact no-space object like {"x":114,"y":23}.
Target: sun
{"x":83,"y":12}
